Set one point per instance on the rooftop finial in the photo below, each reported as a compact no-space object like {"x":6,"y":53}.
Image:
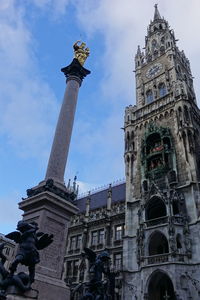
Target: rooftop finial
{"x":156,"y":13}
{"x":138,"y":50}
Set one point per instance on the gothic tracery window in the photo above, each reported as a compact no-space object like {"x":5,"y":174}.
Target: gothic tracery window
{"x":149,"y":96}
{"x":155,"y":208}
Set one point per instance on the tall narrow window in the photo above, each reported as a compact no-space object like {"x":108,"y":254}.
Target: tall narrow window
{"x":118,"y":261}
{"x":149,"y":96}
{"x":69,"y":268}
{"x":118,"y":232}
{"x":101,"y":236}
{"x":94,"y":238}
{"x":73,"y":243}
{"x":75,"y":270}
{"x":78,"y":242}
{"x":162,"y":90}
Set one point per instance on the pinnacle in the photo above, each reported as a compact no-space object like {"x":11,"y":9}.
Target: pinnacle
{"x":156,"y":13}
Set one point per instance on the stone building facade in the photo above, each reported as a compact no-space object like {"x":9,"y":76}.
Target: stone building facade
{"x":8,"y":250}
{"x":161,"y":253}
{"x":151,"y":227}
{"x":98,"y":226}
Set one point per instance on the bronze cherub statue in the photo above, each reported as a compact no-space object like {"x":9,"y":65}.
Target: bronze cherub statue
{"x":30,"y":241}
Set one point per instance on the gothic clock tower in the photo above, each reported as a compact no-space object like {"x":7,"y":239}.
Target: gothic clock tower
{"x":162,"y":159}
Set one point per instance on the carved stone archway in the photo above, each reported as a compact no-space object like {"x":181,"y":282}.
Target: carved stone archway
{"x":160,"y":287}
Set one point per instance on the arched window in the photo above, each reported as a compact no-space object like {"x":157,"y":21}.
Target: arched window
{"x":158,"y":244}
{"x":154,"y":44}
{"x":162,"y":90}
{"x":175,"y":207}
{"x":127,"y":141}
{"x":162,"y":40}
{"x":156,"y":208}
{"x":162,"y":49}
{"x":153,"y":142}
{"x":149,"y":96}
{"x":178,"y":241}
{"x":186,"y":114}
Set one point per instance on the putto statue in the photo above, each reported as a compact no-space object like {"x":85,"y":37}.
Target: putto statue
{"x":97,"y":288}
{"x":30,"y":241}
{"x":81,"y":52}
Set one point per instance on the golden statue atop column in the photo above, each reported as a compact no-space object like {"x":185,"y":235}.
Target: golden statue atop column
{"x":81,"y":52}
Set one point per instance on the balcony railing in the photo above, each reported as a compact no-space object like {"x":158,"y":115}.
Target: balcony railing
{"x":157,"y":259}
{"x":164,"y":220}
{"x":163,"y":258}
{"x":157,"y":221}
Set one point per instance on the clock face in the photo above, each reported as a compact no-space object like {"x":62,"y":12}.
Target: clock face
{"x":155,"y":69}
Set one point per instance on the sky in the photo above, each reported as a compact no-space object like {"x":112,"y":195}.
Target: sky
{"x":36,"y":38}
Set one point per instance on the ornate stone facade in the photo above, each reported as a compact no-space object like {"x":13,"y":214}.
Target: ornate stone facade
{"x":99,"y":226}
{"x":161,"y":253}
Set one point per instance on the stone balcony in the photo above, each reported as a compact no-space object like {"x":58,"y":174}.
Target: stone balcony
{"x":180,"y":220}
{"x":163,"y":258}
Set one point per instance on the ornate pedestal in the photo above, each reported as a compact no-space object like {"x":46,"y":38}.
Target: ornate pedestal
{"x":48,"y":206}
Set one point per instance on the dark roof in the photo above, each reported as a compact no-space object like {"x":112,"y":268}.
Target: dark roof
{"x":99,"y":199}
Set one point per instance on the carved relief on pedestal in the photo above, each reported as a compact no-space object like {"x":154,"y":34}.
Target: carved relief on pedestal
{"x":51,"y":257}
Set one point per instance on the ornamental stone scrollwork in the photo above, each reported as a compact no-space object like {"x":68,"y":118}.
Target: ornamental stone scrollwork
{"x":140,"y":244}
{"x":194,"y":282}
{"x":50,"y":186}
{"x":171,"y":229}
{"x":188,"y":246}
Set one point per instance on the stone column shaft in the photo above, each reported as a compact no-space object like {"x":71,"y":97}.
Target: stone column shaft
{"x":60,"y":147}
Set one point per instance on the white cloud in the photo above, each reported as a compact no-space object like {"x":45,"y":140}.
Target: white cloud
{"x":85,"y":187}
{"x":27,"y":102}
{"x":123,"y":26}
{"x":57,"y":7}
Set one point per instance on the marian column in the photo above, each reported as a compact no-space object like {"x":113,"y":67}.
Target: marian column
{"x":50,"y":203}
{"x":74,"y":73}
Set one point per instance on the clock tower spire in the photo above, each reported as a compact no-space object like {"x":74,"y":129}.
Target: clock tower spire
{"x":156,"y":13}
{"x":161,"y":62}
{"x":162,"y":161}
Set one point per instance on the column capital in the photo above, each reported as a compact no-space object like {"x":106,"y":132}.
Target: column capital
{"x":75,"y":70}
